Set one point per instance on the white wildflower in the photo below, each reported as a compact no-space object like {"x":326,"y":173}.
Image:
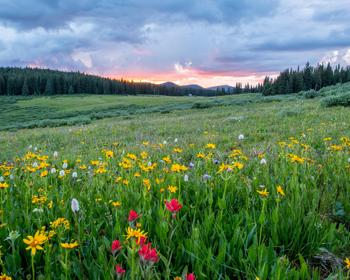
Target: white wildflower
{"x":263,"y":161}
{"x":75,"y":205}
{"x":55,"y":154}
{"x":65,"y":165}
{"x":38,"y":210}
{"x":164,"y":143}
{"x":241,"y":137}
{"x":175,"y":141}
{"x":53,"y":170}
{"x":74,"y":175}
{"x":62,"y":173}
{"x":186,"y":178}
{"x":1,"y":179}
{"x":30,"y":146}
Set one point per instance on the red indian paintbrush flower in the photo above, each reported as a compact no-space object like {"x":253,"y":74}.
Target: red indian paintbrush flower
{"x":115,"y":246}
{"x":119,"y":270}
{"x":133,"y":216}
{"x":190,"y":276}
{"x":148,"y":254}
{"x":152,"y":256}
{"x":173,"y":206}
{"x":144,"y":252}
{"x":142,"y":241}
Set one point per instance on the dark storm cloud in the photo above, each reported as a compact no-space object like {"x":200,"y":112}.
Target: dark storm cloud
{"x":51,"y":15}
{"x":210,"y":37}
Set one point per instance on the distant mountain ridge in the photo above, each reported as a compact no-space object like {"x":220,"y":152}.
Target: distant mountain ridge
{"x":220,"y":87}
{"x":171,"y":84}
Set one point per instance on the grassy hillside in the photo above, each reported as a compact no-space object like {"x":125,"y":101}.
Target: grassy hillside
{"x":89,"y":102}
{"x":274,"y":205}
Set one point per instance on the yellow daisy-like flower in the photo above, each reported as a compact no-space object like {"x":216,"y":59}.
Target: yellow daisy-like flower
{"x":118,"y":179}
{"x":70,"y":246}
{"x":135,"y":233}
{"x":35,"y":242}
{"x":4,"y":277}
{"x":50,"y":204}
{"x":137,"y":175}
{"x":145,"y":143}
{"x":279,"y":190}
{"x":177,"y":278}
{"x":125,"y":182}
{"x":3,"y":185}
{"x":172,"y":189}
{"x":347,"y":261}
{"x":177,"y":150}
{"x":115,"y":204}
{"x":264,"y":192}
{"x":210,"y":146}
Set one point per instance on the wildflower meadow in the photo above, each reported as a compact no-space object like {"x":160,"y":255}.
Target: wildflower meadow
{"x":184,"y":195}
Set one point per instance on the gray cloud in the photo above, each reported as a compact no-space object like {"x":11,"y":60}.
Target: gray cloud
{"x":147,"y":38}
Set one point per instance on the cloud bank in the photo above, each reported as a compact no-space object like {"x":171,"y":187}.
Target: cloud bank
{"x":206,"y":42}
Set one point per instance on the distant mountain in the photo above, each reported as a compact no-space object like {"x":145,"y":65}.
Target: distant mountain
{"x":192,"y":86}
{"x":220,"y":87}
{"x":169,"y":84}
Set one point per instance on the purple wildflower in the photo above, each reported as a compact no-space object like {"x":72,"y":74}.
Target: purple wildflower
{"x":206,"y":176}
{"x":191,"y":164}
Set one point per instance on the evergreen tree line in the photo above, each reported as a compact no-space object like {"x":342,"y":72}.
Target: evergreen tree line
{"x":35,"y":81}
{"x":294,"y":81}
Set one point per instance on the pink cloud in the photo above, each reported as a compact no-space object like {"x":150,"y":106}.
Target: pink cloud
{"x":143,"y":52}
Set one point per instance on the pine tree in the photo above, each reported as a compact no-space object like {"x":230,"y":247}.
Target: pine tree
{"x":308,"y":76}
{"x":267,"y":89}
{"x":25,"y":89}
{"x":48,"y":88}
{"x":328,"y":75}
{"x":71,"y":90}
{"x":287,"y":88}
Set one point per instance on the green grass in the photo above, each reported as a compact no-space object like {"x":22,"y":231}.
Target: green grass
{"x":89,"y":102}
{"x":226,"y":229}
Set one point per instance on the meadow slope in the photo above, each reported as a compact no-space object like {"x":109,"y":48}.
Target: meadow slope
{"x":273,"y":205}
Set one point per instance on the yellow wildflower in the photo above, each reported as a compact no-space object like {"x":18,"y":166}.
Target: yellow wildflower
{"x":172,"y":189}
{"x":264,"y":192}
{"x":70,"y":246}
{"x":35,"y":242}
{"x":279,"y":190}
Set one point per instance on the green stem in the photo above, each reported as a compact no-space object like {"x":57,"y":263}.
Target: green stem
{"x":132,"y":264}
{"x":262,"y":211}
{"x":167,"y":258}
{"x":66,"y":264}
{"x":33,"y":272}
{"x":76,"y":230}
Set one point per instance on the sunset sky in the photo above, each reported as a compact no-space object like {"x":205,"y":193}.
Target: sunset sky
{"x":204,"y":42}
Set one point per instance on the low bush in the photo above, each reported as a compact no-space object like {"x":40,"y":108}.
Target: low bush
{"x":336,"y":100}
